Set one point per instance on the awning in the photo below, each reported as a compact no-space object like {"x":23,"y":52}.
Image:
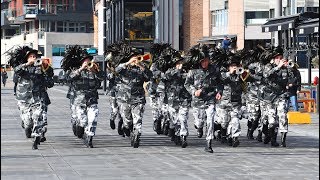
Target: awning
{"x":214,"y":39}
{"x":282,"y":23}
{"x":287,"y":22}
{"x":308,"y":27}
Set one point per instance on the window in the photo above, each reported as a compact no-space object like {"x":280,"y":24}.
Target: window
{"x":313,"y":9}
{"x":82,"y":27}
{"x":226,"y":5}
{"x":300,"y":9}
{"x":58,"y":50}
{"x":256,"y":17}
{"x":271,"y":13}
{"x":72,"y":27}
{"x":59,"y":26}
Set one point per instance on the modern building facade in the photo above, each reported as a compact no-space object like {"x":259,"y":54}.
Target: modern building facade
{"x":47,"y":25}
{"x":131,"y":21}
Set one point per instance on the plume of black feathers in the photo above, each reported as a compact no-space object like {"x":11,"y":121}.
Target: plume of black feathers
{"x":18,"y":56}
{"x":72,"y":57}
{"x":121,"y":52}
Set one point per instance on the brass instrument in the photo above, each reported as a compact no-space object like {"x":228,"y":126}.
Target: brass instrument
{"x":37,"y":62}
{"x":146,"y":59}
{"x":239,"y":70}
{"x":291,"y":64}
{"x":92,"y":65}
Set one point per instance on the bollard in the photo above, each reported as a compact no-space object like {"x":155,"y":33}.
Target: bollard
{"x":317,"y":98}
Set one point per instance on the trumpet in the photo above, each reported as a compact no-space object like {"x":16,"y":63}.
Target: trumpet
{"x":37,"y":62}
{"x":144,"y":57}
{"x":90,"y":64}
{"x":239,"y":70}
{"x":291,"y":64}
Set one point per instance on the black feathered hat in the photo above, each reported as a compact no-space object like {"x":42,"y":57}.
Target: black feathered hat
{"x":277,"y":51}
{"x":20,"y":55}
{"x":73,"y":57}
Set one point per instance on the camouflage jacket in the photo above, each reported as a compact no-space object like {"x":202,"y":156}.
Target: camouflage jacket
{"x":86,"y":84}
{"x":155,"y":85}
{"x":255,"y":80}
{"x":177,"y":94}
{"x":232,"y":89}
{"x":33,"y":83}
{"x":130,"y":88}
{"x":276,"y":80}
{"x":207,"y":80}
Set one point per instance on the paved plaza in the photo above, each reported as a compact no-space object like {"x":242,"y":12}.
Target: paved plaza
{"x":64,"y":157}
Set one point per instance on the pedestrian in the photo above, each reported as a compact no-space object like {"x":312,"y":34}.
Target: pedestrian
{"x":226,"y":42}
{"x":202,"y":82}
{"x":294,"y":85}
{"x":4,"y":77}
{"x":15,"y":81}
{"x":131,"y":95}
{"x":31,"y":85}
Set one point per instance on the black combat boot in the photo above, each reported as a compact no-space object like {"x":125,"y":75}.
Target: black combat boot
{"x":87,"y":140}
{"x":223,"y":136}
{"x":184,"y":141}
{"x":200,"y":132}
{"x":273,"y":136}
{"x":208,"y":147}
{"x":28,"y":132}
{"x":230,"y":141}
{"x":36,"y":143}
{"x":157,"y":125}
{"x":259,"y":137}
{"x":136,"y":140}
{"x":171,"y":133}
{"x":22,"y":124}
{"x":43,"y":138}
{"x":80,"y":131}
{"x":266,"y":133}
{"x":235,"y":142}
{"x":74,"y":129}
{"x":249,"y":135}
{"x":283,"y":139}
{"x":112,"y":124}
{"x":120,"y":128}
{"x":126,"y":131}
{"x":166,"y":128}
{"x":177,"y":140}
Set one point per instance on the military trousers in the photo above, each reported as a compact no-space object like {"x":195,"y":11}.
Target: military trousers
{"x":30,"y":114}
{"x":132,"y":115}
{"x":205,"y":115}
{"x":87,"y":115}
{"x":228,"y":117}
{"x":179,"y":116}
{"x":277,"y":114}
{"x":114,"y":108}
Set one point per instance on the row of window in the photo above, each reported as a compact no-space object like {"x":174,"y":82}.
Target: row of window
{"x":65,"y":26}
{"x":59,"y":50}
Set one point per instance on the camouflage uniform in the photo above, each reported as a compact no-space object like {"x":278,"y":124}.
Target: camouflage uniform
{"x":86,"y":84}
{"x":115,"y":111}
{"x":228,"y":110}
{"x":131,"y":98}
{"x":158,"y":101}
{"x":48,"y":76}
{"x":179,"y":101}
{"x":30,"y":92}
{"x":254,"y":96}
{"x":276,"y":96}
{"x":71,"y":97}
{"x":204,"y":105}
